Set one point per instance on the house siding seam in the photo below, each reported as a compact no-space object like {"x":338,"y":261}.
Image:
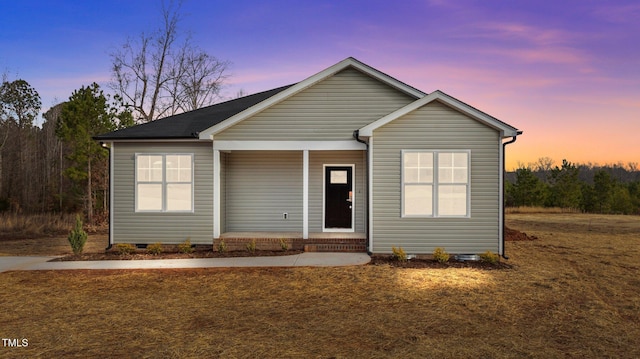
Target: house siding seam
{"x":329,"y":110}
{"x":170,"y":228}
{"x":436,"y":127}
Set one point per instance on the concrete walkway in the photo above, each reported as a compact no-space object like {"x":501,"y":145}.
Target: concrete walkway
{"x":307,"y":259}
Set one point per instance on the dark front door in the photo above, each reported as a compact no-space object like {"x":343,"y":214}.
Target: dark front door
{"x":338,"y":197}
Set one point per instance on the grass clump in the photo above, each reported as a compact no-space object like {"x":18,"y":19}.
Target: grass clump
{"x":154,"y":248}
{"x":222,"y":246}
{"x":125,"y":248}
{"x":398,"y":254}
{"x":78,"y":237}
{"x":284,"y":245}
{"x":251,"y":246}
{"x":489,"y":257}
{"x":185,"y":247}
{"x":440,"y":255}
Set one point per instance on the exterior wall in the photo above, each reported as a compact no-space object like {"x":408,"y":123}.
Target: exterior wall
{"x":329,"y":110}
{"x":436,"y":127}
{"x":260,"y":187}
{"x":131,"y":227}
{"x":316,"y":185}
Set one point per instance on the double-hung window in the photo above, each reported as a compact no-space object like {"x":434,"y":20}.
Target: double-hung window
{"x":164,"y":183}
{"x":435,"y":183}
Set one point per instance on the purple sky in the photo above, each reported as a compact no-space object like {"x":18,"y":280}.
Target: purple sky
{"x":565,"y":72}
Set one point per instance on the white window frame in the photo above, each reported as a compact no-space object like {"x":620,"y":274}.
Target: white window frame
{"x":164,"y":183}
{"x":435,"y":184}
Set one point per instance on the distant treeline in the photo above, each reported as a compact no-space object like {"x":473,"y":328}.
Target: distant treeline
{"x":591,"y":188}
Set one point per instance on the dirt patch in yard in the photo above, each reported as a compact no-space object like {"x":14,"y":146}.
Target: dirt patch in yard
{"x":515,"y":235}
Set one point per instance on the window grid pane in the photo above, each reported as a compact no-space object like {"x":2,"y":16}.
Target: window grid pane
{"x":452,"y":200}
{"x":418,"y":200}
{"x":149,"y":197}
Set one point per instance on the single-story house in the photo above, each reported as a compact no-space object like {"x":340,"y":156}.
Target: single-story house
{"x":349,"y":158}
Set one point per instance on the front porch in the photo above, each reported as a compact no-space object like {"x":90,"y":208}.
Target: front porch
{"x":317,"y":241}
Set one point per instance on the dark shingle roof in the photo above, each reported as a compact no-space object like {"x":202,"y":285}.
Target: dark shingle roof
{"x":189,"y":124}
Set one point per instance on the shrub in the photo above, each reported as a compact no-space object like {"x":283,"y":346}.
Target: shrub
{"x":439,"y":255}
{"x":251,"y":246}
{"x":154,"y":248}
{"x":185,"y":247}
{"x":284,"y":245}
{"x":125,"y":248}
{"x":222,"y":246}
{"x":398,"y":254}
{"x":489,"y":257}
{"x":78,"y":237}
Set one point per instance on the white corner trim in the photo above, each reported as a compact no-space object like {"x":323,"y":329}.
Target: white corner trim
{"x":506,"y":130}
{"x":111,"y":186}
{"x":350,"y":145}
{"x":305,"y":194}
{"x":216,"y":193}
{"x":500,"y":197}
{"x":304,"y":84}
{"x":370,"y":194}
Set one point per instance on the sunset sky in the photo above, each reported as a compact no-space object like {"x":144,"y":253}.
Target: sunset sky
{"x":567,"y":73}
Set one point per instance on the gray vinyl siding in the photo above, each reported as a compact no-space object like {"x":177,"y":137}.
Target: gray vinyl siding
{"x":436,"y":127}
{"x":317,"y":160}
{"x":260,"y":187}
{"x":131,"y":227}
{"x":329,"y":110}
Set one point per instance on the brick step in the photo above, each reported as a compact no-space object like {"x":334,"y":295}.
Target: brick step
{"x":335,"y":247}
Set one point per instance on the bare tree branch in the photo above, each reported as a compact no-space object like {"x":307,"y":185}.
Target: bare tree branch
{"x":163,"y":73}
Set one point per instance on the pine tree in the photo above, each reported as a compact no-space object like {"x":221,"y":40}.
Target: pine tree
{"x":88,"y":113}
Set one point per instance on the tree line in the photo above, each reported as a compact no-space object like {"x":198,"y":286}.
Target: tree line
{"x":58,"y":167}
{"x":590,"y":188}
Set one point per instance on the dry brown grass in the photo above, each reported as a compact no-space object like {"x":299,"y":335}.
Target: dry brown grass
{"x":34,"y":225}
{"x":548,"y":210}
{"x":572,"y":293}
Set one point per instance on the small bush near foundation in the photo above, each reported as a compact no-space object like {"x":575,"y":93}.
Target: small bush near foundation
{"x":251,"y":246}
{"x":185,"y":247}
{"x":398,"y":254}
{"x":489,"y":257}
{"x":284,"y":245}
{"x":155,"y":248}
{"x":222,"y":246}
{"x":439,"y":255}
{"x":125,"y":248}
{"x":78,"y":237}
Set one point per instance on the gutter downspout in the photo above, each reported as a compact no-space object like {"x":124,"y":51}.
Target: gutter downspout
{"x":108,"y":149}
{"x":356,"y":136}
{"x":504,"y":171}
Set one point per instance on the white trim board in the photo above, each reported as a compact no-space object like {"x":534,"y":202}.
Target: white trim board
{"x":347,"y":145}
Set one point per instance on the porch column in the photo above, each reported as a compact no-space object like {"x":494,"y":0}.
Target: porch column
{"x":305,"y":194}
{"x":216,"y":193}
